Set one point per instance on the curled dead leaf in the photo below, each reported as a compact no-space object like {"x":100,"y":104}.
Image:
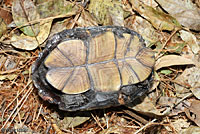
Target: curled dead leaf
{"x":171,"y":60}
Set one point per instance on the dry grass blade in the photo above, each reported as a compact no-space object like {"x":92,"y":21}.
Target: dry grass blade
{"x":15,"y":98}
{"x":21,"y":102}
{"x":39,"y":112}
{"x":97,"y":121}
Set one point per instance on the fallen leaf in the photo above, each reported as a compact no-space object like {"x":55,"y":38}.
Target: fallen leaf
{"x":165,"y":102}
{"x":191,"y":40}
{"x":158,"y":19}
{"x":6,"y":16}
{"x":10,"y":62}
{"x":190,"y":130}
{"x":193,"y":112}
{"x":151,"y":3}
{"x":86,"y":19}
{"x":175,"y":47}
{"x":143,"y":27}
{"x":30,"y":43}
{"x":60,"y":8}
{"x":70,"y":119}
{"x":58,"y":27}
{"x":107,"y":12}
{"x":166,"y":72}
{"x":24,"y":42}
{"x":23,"y":12}
{"x":147,"y":107}
{"x":191,"y":77}
{"x":171,"y":60}
{"x":179,"y":124}
{"x":2,"y":27}
{"x":184,"y":11}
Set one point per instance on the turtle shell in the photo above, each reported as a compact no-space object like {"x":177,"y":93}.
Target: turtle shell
{"x":94,"y":67}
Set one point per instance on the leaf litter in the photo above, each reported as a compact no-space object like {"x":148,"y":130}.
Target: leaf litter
{"x":171,"y":106}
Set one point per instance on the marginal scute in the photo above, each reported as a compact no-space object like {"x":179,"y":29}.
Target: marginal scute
{"x":122,"y":44}
{"x":105,"y":76}
{"x":78,"y":82}
{"x":57,"y":77}
{"x":128,"y":75}
{"x":102,"y":48}
{"x":142,"y":71}
{"x":74,"y":50}
{"x":56,"y":59}
{"x":146,"y":57}
{"x":134,"y":47}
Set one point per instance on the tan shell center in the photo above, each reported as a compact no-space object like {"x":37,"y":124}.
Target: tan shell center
{"x":111,"y":64}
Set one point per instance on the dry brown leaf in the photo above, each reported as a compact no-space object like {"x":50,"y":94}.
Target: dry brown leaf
{"x":24,"y":42}
{"x":191,"y":40}
{"x":23,"y":12}
{"x":60,"y":8}
{"x":158,"y":19}
{"x":190,"y":130}
{"x":70,"y":119}
{"x":193,"y":112}
{"x":30,"y":43}
{"x":144,"y":28}
{"x":179,"y":124}
{"x":107,"y":12}
{"x":86,"y":19}
{"x":147,"y":107}
{"x":184,"y":11}
{"x":2,"y":27}
{"x":191,"y":77}
{"x":151,"y":3}
{"x":170,"y":102}
{"x":171,"y":60}
{"x":5,"y":15}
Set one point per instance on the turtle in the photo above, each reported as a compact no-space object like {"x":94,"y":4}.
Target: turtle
{"x":93,"y":68}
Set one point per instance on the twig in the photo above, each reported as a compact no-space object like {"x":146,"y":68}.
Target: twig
{"x":97,"y":122}
{"x":136,"y":116}
{"x":166,"y":43}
